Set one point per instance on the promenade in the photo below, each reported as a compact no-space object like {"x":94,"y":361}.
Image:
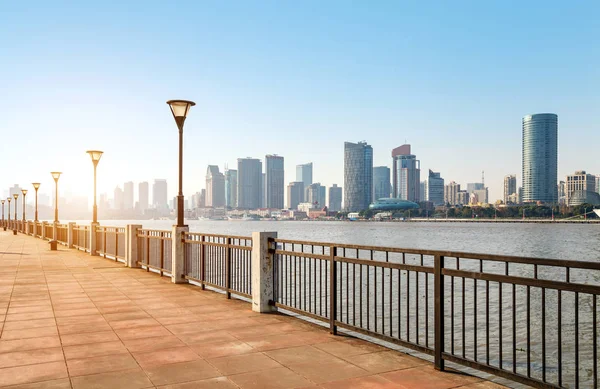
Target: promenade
{"x":70,"y":320}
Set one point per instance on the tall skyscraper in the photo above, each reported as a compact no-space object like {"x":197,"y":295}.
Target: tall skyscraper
{"x":274,"y":177}
{"x":215,"y":187}
{"x":295,"y":194}
{"x":540,"y":157}
{"x":434,"y":188}
{"x":335,"y":198}
{"x":128,"y":195}
{"x":143,"y":196}
{"x":381,"y":182}
{"x":510,"y":188}
{"x":159,"y":194}
{"x":358,"y":176}
{"x":118,"y":199}
{"x":451,"y":193}
{"x":315,"y":194}
{"x":406,"y":174}
{"x":263,"y":191}
{"x":304,"y":173}
{"x":249,"y":183}
{"x":231,"y":178}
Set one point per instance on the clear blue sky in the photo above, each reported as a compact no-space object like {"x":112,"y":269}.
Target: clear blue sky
{"x":296,"y":78}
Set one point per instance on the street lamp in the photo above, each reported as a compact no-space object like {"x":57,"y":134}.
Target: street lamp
{"x":16,"y":196}
{"x":3,"y":225}
{"x":180,"y":109}
{"x":8,"y":211}
{"x":24,"y":191}
{"x":96,"y":155}
{"x":56,"y":176}
{"x":36,"y":186}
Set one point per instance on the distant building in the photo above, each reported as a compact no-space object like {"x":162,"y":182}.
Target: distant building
{"x":159,"y":194}
{"x":463,"y":197}
{"x":406,"y":174}
{"x":422,"y":187}
{"x":434,"y":188}
{"x":358,"y":176}
{"x":15,"y":189}
{"x":381,"y":182}
{"x":510,"y":189}
{"x":335,"y":198}
{"x":391,"y":204}
{"x":295,"y":194}
{"x":598,"y":183}
{"x":482,"y":195}
{"x":274,"y":185}
{"x":540,"y":157}
{"x":473,"y":186}
{"x":306,"y":207}
{"x":215,"y":187}
{"x":581,"y":189}
{"x":202,"y":199}
{"x":304,"y":173}
{"x":451,"y":193}
{"x":263,"y":191}
{"x":143,"y":196}
{"x":231,"y":179}
{"x":128,"y":195}
{"x":249,"y":183}
{"x":118,"y":199}
{"x":315,"y":194}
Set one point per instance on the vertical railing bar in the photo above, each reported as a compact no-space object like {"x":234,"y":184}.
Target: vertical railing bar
{"x":576,"y":339}
{"x":332,"y":289}
{"x":528,"y":331}
{"x":439,"y":312}
{"x":228,"y":267}
{"x":544,"y":334}
{"x":595,"y":338}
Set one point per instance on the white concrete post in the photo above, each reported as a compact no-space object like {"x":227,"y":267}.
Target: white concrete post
{"x":131,"y":245}
{"x":178,"y":254}
{"x":70,"y":235}
{"x":44,"y":224}
{"x":35,"y":233}
{"x":55,"y":231}
{"x":262,"y":271}
{"x":93,"y":243}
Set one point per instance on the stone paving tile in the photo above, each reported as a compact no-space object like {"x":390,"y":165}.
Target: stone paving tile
{"x":271,"y":379}
{"x":219,"y":383}
{"x":103,"y":364}
{"x":165,"y":356}
{"x":328,"y":371}
{"x":152,"y":344}
{"x":7,"y":346}
{"x":36,"y":323}
{"x":384,"y":361}
{"x":31,"y":357}
{"x":94,"y":350}
{"x":244,"y":363}
{"x":427,"y":377}
{"x":181,"y":372}
{"x":87,"y":338}
{"x":32,"y":373}
{"x":369,"y":382}
{"x":63,"y":383}
{"x":29,"y":333}
{"x":221,"y":349}
{"x":130,"y":379}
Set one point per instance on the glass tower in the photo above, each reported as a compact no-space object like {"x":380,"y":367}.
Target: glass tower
{"x":540,"y":157}
{"x":358,"y":176}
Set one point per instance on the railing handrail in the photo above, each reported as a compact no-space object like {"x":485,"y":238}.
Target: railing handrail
{"x":216,"y":235}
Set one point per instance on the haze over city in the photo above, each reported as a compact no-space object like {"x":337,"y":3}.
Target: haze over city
{"x":297,"y":80}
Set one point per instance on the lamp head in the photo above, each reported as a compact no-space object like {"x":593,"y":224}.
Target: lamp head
{"x":180,"y":109}
{"x":36,"y":185}
{"x":9,"y":200}
{"x":16,"y":196}
{"x":95,"y":155}
{"x":56,"y":175}
{"x":24,"y":191}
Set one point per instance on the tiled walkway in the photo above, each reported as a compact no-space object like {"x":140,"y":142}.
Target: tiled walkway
{"x":70,"y":320}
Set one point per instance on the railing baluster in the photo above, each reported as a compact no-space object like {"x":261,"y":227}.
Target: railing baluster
{"x":332,"y":290}
{"x":439,"y":312}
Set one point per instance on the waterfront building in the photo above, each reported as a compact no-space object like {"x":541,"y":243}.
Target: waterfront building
{"x":510,"y":189}
{"x":392,"y":204}
{"x":406,"y":174}
{"x":128,"y":195}
{"x":598,"y":184}
{"x":202,"y":199}
{"x":422,"y":187}
{"x":143,"y":196}
{"x":451,"y":193}
{"x":295,"y":194}
{"x":263,"y":191}
{"x":335,"y":198}
{"x":159,"y":194}
{"x":482,"y":195}
{"x":358,"y":176}
{"x":473,"y":186}
{"x":274,"y":181}
{"x":382,"y":187}
{"x":463,"y":197}
{"x":315,"y":194}
{"x":581,"y":189}
{"x":118,"y":199}
{"x":304,"y":173}
{"x":231,"y":179}
{"x":249,"y":185}
{"x":306,"y":207}
{"x":540,"y":157}
{"x":434,"y":188}
{"x":215,"y":187}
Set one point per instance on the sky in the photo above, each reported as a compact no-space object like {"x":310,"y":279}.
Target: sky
{"x":294,"y":78}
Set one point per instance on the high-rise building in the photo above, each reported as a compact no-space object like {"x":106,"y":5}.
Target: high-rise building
{"x":295,"y":194}
{"x":540,"y":157}
{"x":118,"y":203}
{"x":128,"y":195}
{"x":482,"y":195}
{"x":304,"y":173}
{"x":315,"y":194}
{"x":581,"y":189}
{"x":434,"y":188}
{"x":406,"y":174}
{"x":381,"y":182}
{"x":473,"y":186}
{"x":143,"y":196}
{"x":263,"y":190}
{"x":249,"y":183}
{"x":510,"y":188}
{"x":335,"y":198}
{"x":274,"y":181}
{"x":231,"y":178}
{"x":202,"y":199}
{"x":159,"y":194}
{"x":451,"y":193}
{"x":215,"y":187}
{"x":598,"y":184}
{"x":358,"y":176}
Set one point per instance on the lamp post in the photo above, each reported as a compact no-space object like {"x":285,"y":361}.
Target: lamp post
{"x":180,"y":109}
{"x":8,"y":211}
{"x":24,"y":191}
{"x":56,"y":176}
{"x":16,"y":196}
{"x":96,"y":155}
{"x":36,"y":186}
{"x":3,"y":225}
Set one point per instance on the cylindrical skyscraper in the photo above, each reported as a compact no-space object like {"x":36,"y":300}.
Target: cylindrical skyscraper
{"x":540,"y":157}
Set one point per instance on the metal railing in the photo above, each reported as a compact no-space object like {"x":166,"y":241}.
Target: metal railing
{"x":81,"y":237}
{"x":534,"y":321}
{"x":222,"y":262}
{"x":110,"y":242}
{"x":154,"y":250}
{"x":62,"y":233}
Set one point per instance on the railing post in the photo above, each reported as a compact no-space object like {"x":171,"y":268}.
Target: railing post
{"x":93,"y":240}
{"x":131,"y":245}
{"x":70,"y":233}
{"x":162,"y":252}
{"x":332,"y":290}
{"x":438,"y":289}
{"x":44,"y":230}
{"x":35,"y":232}
{"x":262,"y":271}
{"x":202,"y":262}
{"x":178,"y":254}
{"x":228,"y":267}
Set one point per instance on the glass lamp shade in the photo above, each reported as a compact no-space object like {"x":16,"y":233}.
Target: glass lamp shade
{"x":24,"y":191}
{"x":180,"y":108}
{"x":95,"y":154}
{"x":9,"y":200}
{"x":3,"y":202}
{"x":56,"y":175}
{"x":36,"y":185}
{"x":16,"y":196}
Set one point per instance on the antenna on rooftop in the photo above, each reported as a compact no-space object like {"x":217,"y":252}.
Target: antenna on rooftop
{"x":482,"y":178}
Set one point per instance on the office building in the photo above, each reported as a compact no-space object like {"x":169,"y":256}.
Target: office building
{"x":304,"y":173}
{"x":274,"y":181}
{"x":540,"y":158}
{"x":510,"y":188}
{"x":481,"y":195}
{"x":451,"y":193}
{"x":473,"y":186}
{"x":231,"y":179}
{"x":143,"y":196}
{"x":118,"y":202}
{"x":434,"y":188}
{"x":295,"y":194}
{"x":15,"y":189}
{"x":315,"y":194}
{"x":249,"y":183}
{"x":335,"y":198}
{"x":358,"y":176}
{"x":128,"y":195}
{"x":581,"y":189}
{"x":159,"y":194}
{"x":215,"y":187}
{"x":382,"y":187}
{"x":406,"y":174}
